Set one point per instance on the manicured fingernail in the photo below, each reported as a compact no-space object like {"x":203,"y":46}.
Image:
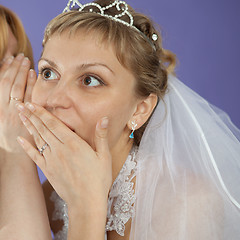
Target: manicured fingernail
{"x":9,"y":60}
{"x":22,"y":117}
{"x":104,"y":122}
{"x":19,"y":107}
{"x":31,"y":73}
{"x":30,"y":106}
{"x":20,"y":140}
{"x":25,"y":61}
{"x":20,"y":56}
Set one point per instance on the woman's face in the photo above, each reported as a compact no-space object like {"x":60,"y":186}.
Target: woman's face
{"x":81,"y":81}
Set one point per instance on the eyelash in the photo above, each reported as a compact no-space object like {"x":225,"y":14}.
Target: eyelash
{"x":43,"y":69}
{"x":102,"y":83}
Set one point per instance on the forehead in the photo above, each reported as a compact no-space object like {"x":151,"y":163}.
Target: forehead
{"x":71,"y":50}
{"x":81,"y":47}
{"x":79,"y":42}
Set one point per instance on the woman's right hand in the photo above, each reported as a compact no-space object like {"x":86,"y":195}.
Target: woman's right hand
{"x":16,"y":84}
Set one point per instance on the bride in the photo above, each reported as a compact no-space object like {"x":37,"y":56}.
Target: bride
{"x":129,"y":151}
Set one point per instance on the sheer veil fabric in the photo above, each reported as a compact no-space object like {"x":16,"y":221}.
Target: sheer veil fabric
{"x":188,"y":177}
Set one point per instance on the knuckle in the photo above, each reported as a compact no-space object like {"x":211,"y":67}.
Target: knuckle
{"x":102,"y":134}
{"x":28,"y":114}
{"x":41,"y":113}
{"x":51,"y":123}
{"x":42,"y":129}
{"x":37,"y":141}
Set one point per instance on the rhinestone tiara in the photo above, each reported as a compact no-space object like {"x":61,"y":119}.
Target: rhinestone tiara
{"x":121,"y":6}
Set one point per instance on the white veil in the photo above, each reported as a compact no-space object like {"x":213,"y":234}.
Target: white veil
{"x":188,"y":178}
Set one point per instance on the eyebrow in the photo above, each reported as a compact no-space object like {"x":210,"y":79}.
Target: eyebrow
{"x":83,"y":66}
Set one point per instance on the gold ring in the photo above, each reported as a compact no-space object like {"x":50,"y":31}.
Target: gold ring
{"x":16,"y":99}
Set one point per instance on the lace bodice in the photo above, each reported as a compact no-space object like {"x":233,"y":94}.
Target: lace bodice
{"x":120,"y":201}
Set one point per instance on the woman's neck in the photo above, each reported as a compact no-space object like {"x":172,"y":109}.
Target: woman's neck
{"x":119,"y":154}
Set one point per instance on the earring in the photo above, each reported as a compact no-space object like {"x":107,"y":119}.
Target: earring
{"x":134,"y":125}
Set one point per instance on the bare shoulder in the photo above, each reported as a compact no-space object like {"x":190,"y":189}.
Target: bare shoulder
{"x":203,"y":188}
{"x":188,"y":202}
{"x":47,"y":190}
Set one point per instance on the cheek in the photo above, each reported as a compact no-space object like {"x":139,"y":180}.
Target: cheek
{"x":89,"y":114}
{"x":119,"y":115}
{"x":118,"y":124}
{"x":39,"y":95}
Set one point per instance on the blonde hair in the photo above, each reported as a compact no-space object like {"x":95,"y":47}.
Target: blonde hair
{"x":146,"y":59}
{"x":10,"y":19}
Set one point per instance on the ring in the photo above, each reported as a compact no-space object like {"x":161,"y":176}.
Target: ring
{"x":41,"y":150}
{"x":16,"y":99}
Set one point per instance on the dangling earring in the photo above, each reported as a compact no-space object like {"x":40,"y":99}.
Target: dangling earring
{"x":134,"y":125}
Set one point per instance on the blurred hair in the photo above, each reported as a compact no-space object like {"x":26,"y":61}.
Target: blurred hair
{"x":10,"y":19}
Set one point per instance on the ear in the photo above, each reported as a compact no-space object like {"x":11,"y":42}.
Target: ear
{"x":143,"y":111}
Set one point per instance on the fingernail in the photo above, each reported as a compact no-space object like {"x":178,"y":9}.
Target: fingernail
{"x":20,"y":56}
{"x":31,"y":73}
{"x":22,"y":117}
{"x":9,"y":60}
{"x":20,"y":107}
{"x":20,"y":140}
{"x":25,"y":61}
{"x":30,"y":106}
{"x":104,"y":122}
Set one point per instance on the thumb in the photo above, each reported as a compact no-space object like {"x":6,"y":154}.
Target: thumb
{"x":101,"y":138}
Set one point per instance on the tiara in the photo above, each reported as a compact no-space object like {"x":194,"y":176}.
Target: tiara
{"x":121,"y":6}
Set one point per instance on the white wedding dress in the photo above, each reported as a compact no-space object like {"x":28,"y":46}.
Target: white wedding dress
{"x":187,"y":170}
{"x":120,"y":201}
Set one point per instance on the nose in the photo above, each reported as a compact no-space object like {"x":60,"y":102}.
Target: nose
{"x":59,"y":97}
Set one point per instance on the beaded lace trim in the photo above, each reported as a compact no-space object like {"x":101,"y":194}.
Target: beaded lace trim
{"x":122,"y":196}
{"x":120,"y":201}
{"x":60,"y":213}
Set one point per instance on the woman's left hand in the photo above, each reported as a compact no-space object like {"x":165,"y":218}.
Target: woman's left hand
{"x":80,"y":175}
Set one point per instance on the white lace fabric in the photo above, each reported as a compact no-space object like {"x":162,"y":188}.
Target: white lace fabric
{"x":188,"y":174}
{"x":120,"y":202}
{"x":60,"y":213}
{"x":122,"y":197}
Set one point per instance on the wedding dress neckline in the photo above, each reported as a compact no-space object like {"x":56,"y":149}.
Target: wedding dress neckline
{"x":121,"y":200}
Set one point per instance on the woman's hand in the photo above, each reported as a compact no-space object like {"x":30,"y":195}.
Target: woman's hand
{"x":80,"y":175}
{"x":16,"y":84}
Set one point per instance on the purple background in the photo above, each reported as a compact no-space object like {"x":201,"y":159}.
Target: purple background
{"x":205,"y":36}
